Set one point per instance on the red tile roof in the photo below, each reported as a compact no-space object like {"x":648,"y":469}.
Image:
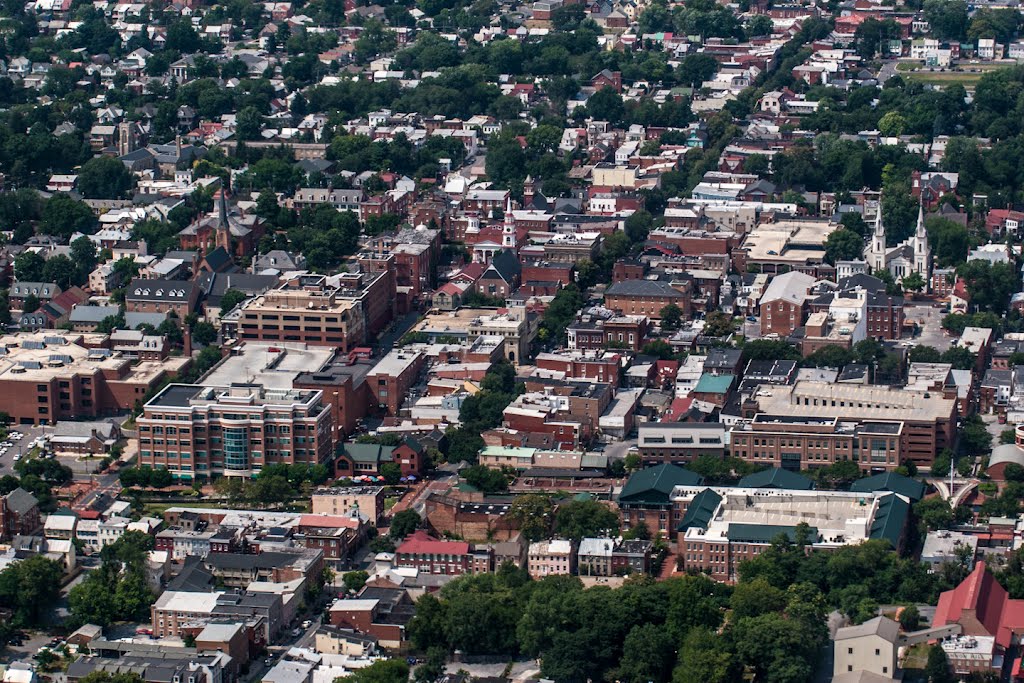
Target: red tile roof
{"x":328,"y":521}
{"x":422,"y":543}
{"x":992,"y":608}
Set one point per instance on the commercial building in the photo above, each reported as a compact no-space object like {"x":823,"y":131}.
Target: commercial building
{"x":341,"y":501}
{"x":645,"y":298}
{"x":680,"y":442}
{"x":305,"y":309}
{"x":517,"y":327}
{"x":798,"y":443}
{"x":199,"y":432}
{"x":46,"y":377}
{"x":722,"y":527}
{"x":928,"y":418}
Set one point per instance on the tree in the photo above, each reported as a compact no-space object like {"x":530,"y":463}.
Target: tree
{"x":532,"y":512}
{"x":30,"y":588}
{"x":354,"y":580}
{"x":404,"y":523}
{"x":61,"y":270}
{"x":64,"y":216}
{"x":924,"y":354}
{"x":231,"y":298}
{"x":485,"y":479}
{"x":910,"y":618}
{"x":204,"y":333}
{"x":959,"y":357}
{"x":381,"y":671}
{"x":104,"y":178}
{"x":83,"y":253}
{"x":580,"y":519}
{"x":107,"y":677}
{"x":913,"y":282}
{"x":648,"y":655}
{"x":718,"y":324}
{"x":760,"y":25}
{"x":31,"y":304}
{"x":892,"y":124}
{"x":671,"y":317}
{"x":843,"y":245}
{"x":659,"y":348}
{"x":975,"y":438}
{"x":934,"y":513}
{"x":391,"y":472}
{"x":757,"y":597}
{"x":28,"y":266}
{"x":937,"y":668}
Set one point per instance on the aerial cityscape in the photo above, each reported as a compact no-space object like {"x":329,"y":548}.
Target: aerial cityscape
{"x":455,"y":341}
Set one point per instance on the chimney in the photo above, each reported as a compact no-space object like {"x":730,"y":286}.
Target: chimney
{"x":187,"y":341}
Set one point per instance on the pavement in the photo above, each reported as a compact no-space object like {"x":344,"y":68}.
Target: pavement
{"x":19,"y":447}
{"x":930,"y":320}
{"x":887,"y":71}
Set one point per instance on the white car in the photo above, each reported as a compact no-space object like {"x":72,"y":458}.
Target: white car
{"x":17,"y":457}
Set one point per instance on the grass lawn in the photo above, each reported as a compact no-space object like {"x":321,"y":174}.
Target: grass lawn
{"x":968,"y":76}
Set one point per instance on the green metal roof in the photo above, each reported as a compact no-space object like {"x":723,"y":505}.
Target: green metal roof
{"x":777,"y":478}
{"x":890,"y":481}
{"x":699,"y":512}
{"x":764,"y":533}
{"x":713,"y":384}
{"x":654,"y":485}
{"x":890,"y":519}
{"x":366,"y":452}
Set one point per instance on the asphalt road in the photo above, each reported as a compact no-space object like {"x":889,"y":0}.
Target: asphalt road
{"x":930,"y":320}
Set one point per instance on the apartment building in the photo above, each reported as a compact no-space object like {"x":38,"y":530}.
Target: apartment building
{"x":547,"y":558}
{"x":798,"y":443}
{"x":305,"y":309}
{"x":928,"y":418}
{"x":200,"y":432}
{"x":341,"y":501}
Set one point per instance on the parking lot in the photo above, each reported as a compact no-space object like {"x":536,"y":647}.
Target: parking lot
{"x":18,"y":447}
{"x":929,"y":318}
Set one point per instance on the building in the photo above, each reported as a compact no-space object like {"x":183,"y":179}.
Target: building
{"x":161,"y":296}
{"x":391,"y":379}
{"x":784,"y":303}
{"x":203,"y":431}
{"x":52,"y":376}
{"x":680,"y":442}
{"x":646,"y":498}
{"x":644,"y":298}
{"x":305,"y":309}
{"x":342,"y":500}
{"x":547,"y":558}
{"x":19,"y":514}
{"x":928,"y":418}
{"x":798,"y":443}
{"x":987,"y":615}
{"x":913,"y":255}
{"x":872,"y":646}
{"x":723,"y":527}
{"x":427,"y":554}
{"x":377,"y":611}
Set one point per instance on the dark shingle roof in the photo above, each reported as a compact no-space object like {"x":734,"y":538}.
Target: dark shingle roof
{"x":890,"y":519}
{"x":643,"y":288}
{"x":777,"y":478}
{"x":890,"y":481}
{"x":655,"y":484}
{"x":763,"y":533}
{"x":699,"y":512}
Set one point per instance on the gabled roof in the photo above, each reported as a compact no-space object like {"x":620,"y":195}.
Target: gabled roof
{"x":776,"y":478}
{"x":422,"y":543}
{"x":890,"y":519}
{"x":883,"y":627}
{"x":366,"y":452}
{"x":20,"y":501}
{"x":504,"y":265}
{"x":890,"y":481}
{"x":991,"y":605}
{"x":763,"y":533}
{"x":643,"y":288}
{"x":655,"y":484}
{"x":699,"y":512}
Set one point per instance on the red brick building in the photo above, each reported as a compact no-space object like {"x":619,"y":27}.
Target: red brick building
{"x":427,"y":554}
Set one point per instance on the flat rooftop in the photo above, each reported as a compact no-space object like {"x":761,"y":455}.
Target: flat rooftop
{"x":789,"y":241}
{"x":275,"y":366}
{"x":815,"y":399}
{"x":188,"y":395}
{"x":839,"y":516}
